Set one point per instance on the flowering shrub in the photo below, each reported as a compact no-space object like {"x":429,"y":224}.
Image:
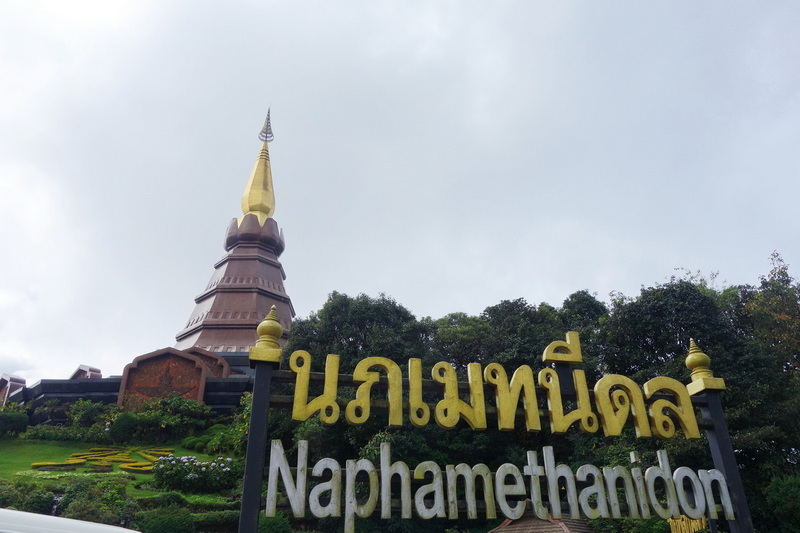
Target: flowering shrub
{"x":188,"y":474}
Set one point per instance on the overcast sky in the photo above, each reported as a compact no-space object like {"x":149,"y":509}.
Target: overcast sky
{"x":449,"y":154}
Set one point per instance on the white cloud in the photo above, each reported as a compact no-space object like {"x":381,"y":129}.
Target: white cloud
{"x":449,"y":154}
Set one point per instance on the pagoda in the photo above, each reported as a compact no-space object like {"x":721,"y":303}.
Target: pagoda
{"x":209,"y":362}
{"x":248,"y":280}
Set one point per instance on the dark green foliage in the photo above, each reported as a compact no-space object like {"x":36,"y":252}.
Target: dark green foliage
{"x":160,"y":420}
{"x":170,"y":499}
{"x":189,"y":442}
{"x":628,"y":525}
{"x":175,"y":417}
{"x":91,"y":512}
{"x":13,"y":423}
{"x":51,"y":411}
{"x":123,"y":428}
{"x":582,"y":312}
{"x":84,"y":413}
{"x":95,"y":433}
{"x":277,"y":524}
{"x":649,"y":336}
{"x":519,"y":332}
{"x":83,"y":421}
{"x":229,"y":520}
{"x":25,"y":495}
{"x":783,"y":497}
{"x":77,"y":489}
{"x":360,"y":327}
{"x":7,"y":494}
{"x":201,"y":443}
{"x":165,"y":520}
{"x":13,"y":407}
{"x":37,"y":500}
{"x":461,"y":339}
{"x":98,"y":499}
{"x":232,"y":439}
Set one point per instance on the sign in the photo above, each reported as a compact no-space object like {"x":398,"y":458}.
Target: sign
{"x":662,"y":407}
{"x":686,"y":492}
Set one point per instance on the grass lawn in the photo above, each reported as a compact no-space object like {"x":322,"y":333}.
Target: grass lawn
{"x":17,"y":454}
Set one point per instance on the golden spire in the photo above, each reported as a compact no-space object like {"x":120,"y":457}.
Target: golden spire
{"x":259,"y":197}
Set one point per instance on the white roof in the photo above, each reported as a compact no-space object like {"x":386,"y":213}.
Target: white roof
{"x":19,"y":522}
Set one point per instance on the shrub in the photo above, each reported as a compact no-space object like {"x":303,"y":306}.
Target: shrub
{"x":199,"y":503}
{"x":14,"y":407}
{"x":26,"y":495}
{"x":101,"y":499}
{"x":276,"y":524}
{"x":13,"y":423}
{"x":55,"y":433}
{"x":783,"y":494}
{"x":37,"y":500}
{"x":78,"y":488}
{"x":170,"y":499}
{"x":201,"y":443}
{"x":7,"y":494}
{"x":165,"y":520}
{"x":123,"y":427}
{"x":233,"y":438}
{"x":160,"y":420}
{"x":217,"y":520}
{"x":91,"y":511}
{"x":84,"y":413}
{"x":189,"y":442}
{"x":188,"y":474}
{"x":178,"y":416}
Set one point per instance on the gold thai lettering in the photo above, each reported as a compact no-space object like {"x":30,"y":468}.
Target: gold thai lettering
{"x":507,"y":396}
{"x":418,"y":411}
{"x":654,"y":410}
{"x":325,"y":404}
{"x":663,"y":411}
{"x":451,"y":408}
{"x":618,"y":397}
{"x":560,"y":421}
{"x":568,"y":351}
{"x":357,"y":410}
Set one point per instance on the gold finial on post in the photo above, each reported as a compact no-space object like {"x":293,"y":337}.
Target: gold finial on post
{"x":267,"y":347}
{"x":702,"y":376}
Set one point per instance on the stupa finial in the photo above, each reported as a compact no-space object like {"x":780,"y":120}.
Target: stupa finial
{"x":259,"y":197}
{"x":266,"y":131}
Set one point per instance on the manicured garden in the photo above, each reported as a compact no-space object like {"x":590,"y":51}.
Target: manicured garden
{"x":170,"y":466}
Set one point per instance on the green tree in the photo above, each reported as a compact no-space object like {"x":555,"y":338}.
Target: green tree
{"x":520,"y":331}
{"x":358,"y":327}
{"x":783,"y":497}
{"x":461,"y":339}
{"x":84,"y":413}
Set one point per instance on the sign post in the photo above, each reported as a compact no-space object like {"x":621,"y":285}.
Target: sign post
{"x":706,"y":390}
{"x":265,"y":356}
